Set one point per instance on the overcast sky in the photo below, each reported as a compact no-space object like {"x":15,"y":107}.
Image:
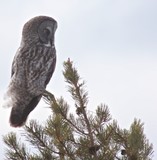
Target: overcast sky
{"x":113,"y":43}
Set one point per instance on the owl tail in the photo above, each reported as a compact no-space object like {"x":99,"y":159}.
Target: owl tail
{"x":19,"y":113}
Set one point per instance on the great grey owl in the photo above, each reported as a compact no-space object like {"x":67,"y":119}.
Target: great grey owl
{"x":32,"y":67}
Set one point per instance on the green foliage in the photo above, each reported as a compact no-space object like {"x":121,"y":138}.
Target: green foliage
{"x":15,"y":149}
{"x":134,"y":142}
{"x":82,"y":135}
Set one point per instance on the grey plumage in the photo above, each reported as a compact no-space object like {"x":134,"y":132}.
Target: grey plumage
{"x":32,"y":67}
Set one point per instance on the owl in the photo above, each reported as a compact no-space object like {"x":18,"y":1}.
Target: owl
{"x":32,"y":68}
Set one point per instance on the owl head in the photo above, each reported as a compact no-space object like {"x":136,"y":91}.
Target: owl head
{"x":39,"y":30}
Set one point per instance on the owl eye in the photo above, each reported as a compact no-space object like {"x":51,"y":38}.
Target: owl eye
{"x":46,"y":32}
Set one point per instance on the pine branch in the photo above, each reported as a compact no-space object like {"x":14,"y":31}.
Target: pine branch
{"x":58,"y":107}
{"x":78,"y":94}
{"x":16,"y":151}
{"x":76,"y":89}
{"x":35,"y":134}
{"x":133,"y":141}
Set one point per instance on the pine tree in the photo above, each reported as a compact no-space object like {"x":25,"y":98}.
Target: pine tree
{"x":82,"y":135}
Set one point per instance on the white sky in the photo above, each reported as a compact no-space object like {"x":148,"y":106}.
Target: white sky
{"x":113,"y":44}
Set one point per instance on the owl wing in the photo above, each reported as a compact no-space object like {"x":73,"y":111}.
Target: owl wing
{"x":19,"y":113}
{"x":18,"y":57}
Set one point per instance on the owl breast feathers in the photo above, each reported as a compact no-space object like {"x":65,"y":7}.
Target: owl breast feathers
{"x":32,"y":68}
